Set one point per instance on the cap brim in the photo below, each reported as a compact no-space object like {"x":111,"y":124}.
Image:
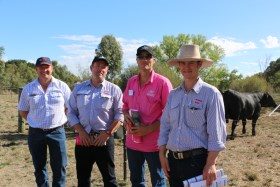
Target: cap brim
{"x":205,"y":62}
{"x":44,"y":63}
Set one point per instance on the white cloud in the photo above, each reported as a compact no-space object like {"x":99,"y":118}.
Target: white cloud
{"x":80,"y":38}
{"x":270,"y":42}
{"x":250,"y":63}
{"x":78,"y":49}
{"x":83,"y":50}
{"x":231,"y":46}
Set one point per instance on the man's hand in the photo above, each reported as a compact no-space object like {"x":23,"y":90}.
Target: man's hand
{"x":101,"y":139}
{"x":127,"y":122}
{"x":209,"y":170}
{"x":84,"y":138}
{"x":163,"y":160}
{"x":140,"y":130}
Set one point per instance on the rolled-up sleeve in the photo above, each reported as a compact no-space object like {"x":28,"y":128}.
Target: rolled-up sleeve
{"x":216,"y":125}
{"x":73,"y":110}
{"x":118,"y":105}
{"x":164,"y":125}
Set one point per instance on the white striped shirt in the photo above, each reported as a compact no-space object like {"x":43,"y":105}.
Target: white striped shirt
{"x":46,"y":110}
{"x":194,"y":119}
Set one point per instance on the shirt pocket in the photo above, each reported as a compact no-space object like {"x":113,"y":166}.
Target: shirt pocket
{"x":174,"y":112}
{"x":56,"y":98}
{"x":153,"y":103}
{"x":83,"y":100}
{"x":195,"y":116}
{"x":106,"y":102}
{"x":35,"y":99}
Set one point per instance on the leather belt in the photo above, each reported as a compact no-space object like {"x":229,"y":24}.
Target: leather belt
{"x":187,"y":154}
{"x":45,"y":130}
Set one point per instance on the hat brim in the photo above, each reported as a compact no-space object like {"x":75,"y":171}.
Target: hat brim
{"x":205,"y":62}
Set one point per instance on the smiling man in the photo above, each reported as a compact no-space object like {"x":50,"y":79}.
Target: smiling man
{"x":95,"y":112}
{"x":193,"y":129}
{"x":43,"y":103}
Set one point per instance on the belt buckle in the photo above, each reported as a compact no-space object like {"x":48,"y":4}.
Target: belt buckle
{"x":180,"y":155}
{"x":45,"y":130}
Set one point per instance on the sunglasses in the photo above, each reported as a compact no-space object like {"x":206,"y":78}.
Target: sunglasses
{"x":143,"y":57}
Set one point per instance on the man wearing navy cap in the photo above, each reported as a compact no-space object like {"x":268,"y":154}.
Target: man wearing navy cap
{"x":95,"y":112}
{"x":43,"y":103}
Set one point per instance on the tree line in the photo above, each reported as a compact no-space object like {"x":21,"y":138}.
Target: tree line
{"x":16,"y":73}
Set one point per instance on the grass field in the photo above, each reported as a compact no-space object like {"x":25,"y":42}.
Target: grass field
{"x":249,"y":161}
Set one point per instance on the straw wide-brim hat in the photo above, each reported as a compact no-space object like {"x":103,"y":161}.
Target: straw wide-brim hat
{"x":190,"y":53}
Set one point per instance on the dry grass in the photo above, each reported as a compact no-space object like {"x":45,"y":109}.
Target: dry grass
{"x":249,"y":161}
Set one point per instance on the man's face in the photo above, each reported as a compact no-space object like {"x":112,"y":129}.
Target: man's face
{"x":189,"y":70}
{"x":99,"y":70}
{"x":145,"y":61}
{"x":44,"y":71}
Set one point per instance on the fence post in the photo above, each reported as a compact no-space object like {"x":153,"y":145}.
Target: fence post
{"x":21,"y":125}
{"x":124,"y":155}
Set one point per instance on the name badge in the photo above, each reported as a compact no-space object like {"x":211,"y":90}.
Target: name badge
{"x":130,"y":92}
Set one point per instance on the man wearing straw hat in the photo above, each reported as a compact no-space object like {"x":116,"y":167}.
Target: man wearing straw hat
{"x":193,"y":128}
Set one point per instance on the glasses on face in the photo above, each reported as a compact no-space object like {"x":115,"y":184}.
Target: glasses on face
{"x":143,"y":57}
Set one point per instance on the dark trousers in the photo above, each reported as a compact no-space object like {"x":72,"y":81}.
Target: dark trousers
{"x":104,"y":158}
{"x":182,"y":169}
{"x":38,"y":142}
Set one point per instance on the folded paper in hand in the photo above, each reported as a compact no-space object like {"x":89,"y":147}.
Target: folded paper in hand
{"x":198,"y":181}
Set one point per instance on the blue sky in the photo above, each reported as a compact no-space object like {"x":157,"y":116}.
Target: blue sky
{"x":70,"y":30}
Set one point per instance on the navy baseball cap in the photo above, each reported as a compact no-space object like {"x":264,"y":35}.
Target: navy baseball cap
{"x":97,"y":58}
{"x":145,"y":48}
{"x":43,"y":60}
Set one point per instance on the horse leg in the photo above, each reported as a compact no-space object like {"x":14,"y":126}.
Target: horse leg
{"x":244,"y":126}
{"x":234,"y":123}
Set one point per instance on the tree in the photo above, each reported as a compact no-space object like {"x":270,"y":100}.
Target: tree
{"x":255,"y":83}
{"x":127,"y":73}
{"x":62,"y":73}
{"x":169,"y":49}
{"x":2,"y":74}
{"x":111,"y":50}
{"x":272,"y":74}
{"x":170,"y":46}
{"x":2,"y":68}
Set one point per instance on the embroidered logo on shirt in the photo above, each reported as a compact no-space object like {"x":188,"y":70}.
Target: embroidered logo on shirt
{"x":106,"y":92}
{"x":151,"y":93}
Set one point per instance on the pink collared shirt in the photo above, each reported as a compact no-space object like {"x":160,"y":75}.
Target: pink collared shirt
{"x":150,"y":101}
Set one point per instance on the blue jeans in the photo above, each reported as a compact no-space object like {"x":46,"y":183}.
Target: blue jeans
{"x":38,"y":141}
{"x":136,"y":162}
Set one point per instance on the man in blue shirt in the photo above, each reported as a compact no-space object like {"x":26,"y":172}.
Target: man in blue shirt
{"x":43,"y":103}
{"x":193,"y":128}
{"x":95,"y":112}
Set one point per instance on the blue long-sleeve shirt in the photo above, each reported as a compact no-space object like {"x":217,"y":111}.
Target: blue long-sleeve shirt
{"x":95,"y":108}
{"x":194,"y":119}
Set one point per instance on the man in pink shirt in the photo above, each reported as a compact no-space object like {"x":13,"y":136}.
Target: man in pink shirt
{"x":147,"y":94}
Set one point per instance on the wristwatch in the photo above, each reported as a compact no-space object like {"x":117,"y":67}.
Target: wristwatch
{"x":108,"y":132}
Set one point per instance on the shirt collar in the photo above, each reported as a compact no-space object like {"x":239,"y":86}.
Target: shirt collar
{"x":151,"y":78}
{"x":53,"y":80}
{"x":89,"y":83}
{"x":196,"y":88}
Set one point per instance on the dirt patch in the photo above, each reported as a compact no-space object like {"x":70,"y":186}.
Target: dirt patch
{"x":249,"y":161}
